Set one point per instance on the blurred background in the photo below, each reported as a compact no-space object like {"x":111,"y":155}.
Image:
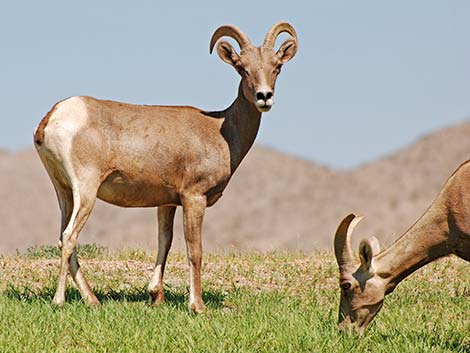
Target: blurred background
{"x":370,"y":116}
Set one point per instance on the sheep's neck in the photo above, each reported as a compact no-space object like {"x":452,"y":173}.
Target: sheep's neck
{"x":424,"y":242}
{"x":241,"y":125}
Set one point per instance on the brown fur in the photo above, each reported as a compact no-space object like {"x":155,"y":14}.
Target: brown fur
{"x":444,"y":229}
{"x":147,"y":156}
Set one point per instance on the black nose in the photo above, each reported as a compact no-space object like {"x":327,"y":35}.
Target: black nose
{"x":264,"y":95}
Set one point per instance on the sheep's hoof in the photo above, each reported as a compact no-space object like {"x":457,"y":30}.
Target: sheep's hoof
{"x":58,"y":300}
{"x":197,"y":307}
{"x":94,"y":302}
{"x":158,"y":297}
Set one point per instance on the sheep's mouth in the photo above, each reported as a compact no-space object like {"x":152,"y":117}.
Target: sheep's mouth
{"x":264,"y":109}
{"x":264,"y":105}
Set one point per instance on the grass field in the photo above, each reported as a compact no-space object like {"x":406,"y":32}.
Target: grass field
{"x":256,"y":303}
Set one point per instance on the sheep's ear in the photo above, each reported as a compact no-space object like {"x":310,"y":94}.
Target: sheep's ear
{"x":227,"y":53}
{"x":367,"y":250}
{"x":287,"y":50}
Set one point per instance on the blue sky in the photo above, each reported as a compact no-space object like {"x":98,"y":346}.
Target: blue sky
{"x":369,"y":76}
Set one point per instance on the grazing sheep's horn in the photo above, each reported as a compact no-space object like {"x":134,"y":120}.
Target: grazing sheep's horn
{"x":343,"y":252}
{"x":229,"y":31}
{"x":275,"y":30}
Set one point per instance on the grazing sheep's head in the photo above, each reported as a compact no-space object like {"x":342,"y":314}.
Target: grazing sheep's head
{"x":258,"y":67}
{"x":362,"y":289}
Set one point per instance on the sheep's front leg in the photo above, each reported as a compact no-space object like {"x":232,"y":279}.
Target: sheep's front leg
{"x":193,"y":214}
{"x":165,"y":236}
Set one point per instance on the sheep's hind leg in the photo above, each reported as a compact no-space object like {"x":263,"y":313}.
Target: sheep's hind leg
{"x":65,"y":198}
{"x":82,"y":205}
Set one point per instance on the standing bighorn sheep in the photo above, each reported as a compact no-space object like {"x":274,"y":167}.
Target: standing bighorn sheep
{"x":148,"y":156}
{"x":442,"y":230}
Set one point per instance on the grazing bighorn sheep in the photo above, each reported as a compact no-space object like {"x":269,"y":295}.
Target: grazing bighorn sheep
{"x":148,"y":156}
{"x":442,"y":230}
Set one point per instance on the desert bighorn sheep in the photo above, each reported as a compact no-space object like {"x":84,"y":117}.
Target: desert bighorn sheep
{"x":442,"y":230}
{"x":148,"y":156}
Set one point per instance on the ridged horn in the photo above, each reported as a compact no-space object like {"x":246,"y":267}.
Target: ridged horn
{"x":343,"y":253}
{"x":275,"y":30}
{"x":232,"y":32}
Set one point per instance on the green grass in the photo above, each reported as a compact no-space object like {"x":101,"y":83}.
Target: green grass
{"x":276,"y":302}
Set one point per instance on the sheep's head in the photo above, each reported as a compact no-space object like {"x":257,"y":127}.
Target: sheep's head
{"x":258,"y":66}
{"x":362,"y":289}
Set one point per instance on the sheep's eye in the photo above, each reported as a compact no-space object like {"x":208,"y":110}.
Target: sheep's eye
{"x":346,"y":285}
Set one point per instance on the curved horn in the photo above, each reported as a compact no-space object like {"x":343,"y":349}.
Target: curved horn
{"x":275,"y":30}
{"x":229,"y":31}
{"x":343,"y":252}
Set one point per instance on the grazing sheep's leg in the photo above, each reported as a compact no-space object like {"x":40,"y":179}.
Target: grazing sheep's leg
{"x":193,"y":214}
{"x":81,"y":209}
{"x":166,"y":216}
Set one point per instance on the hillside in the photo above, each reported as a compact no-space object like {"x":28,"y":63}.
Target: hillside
{"x":274,"y":202}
